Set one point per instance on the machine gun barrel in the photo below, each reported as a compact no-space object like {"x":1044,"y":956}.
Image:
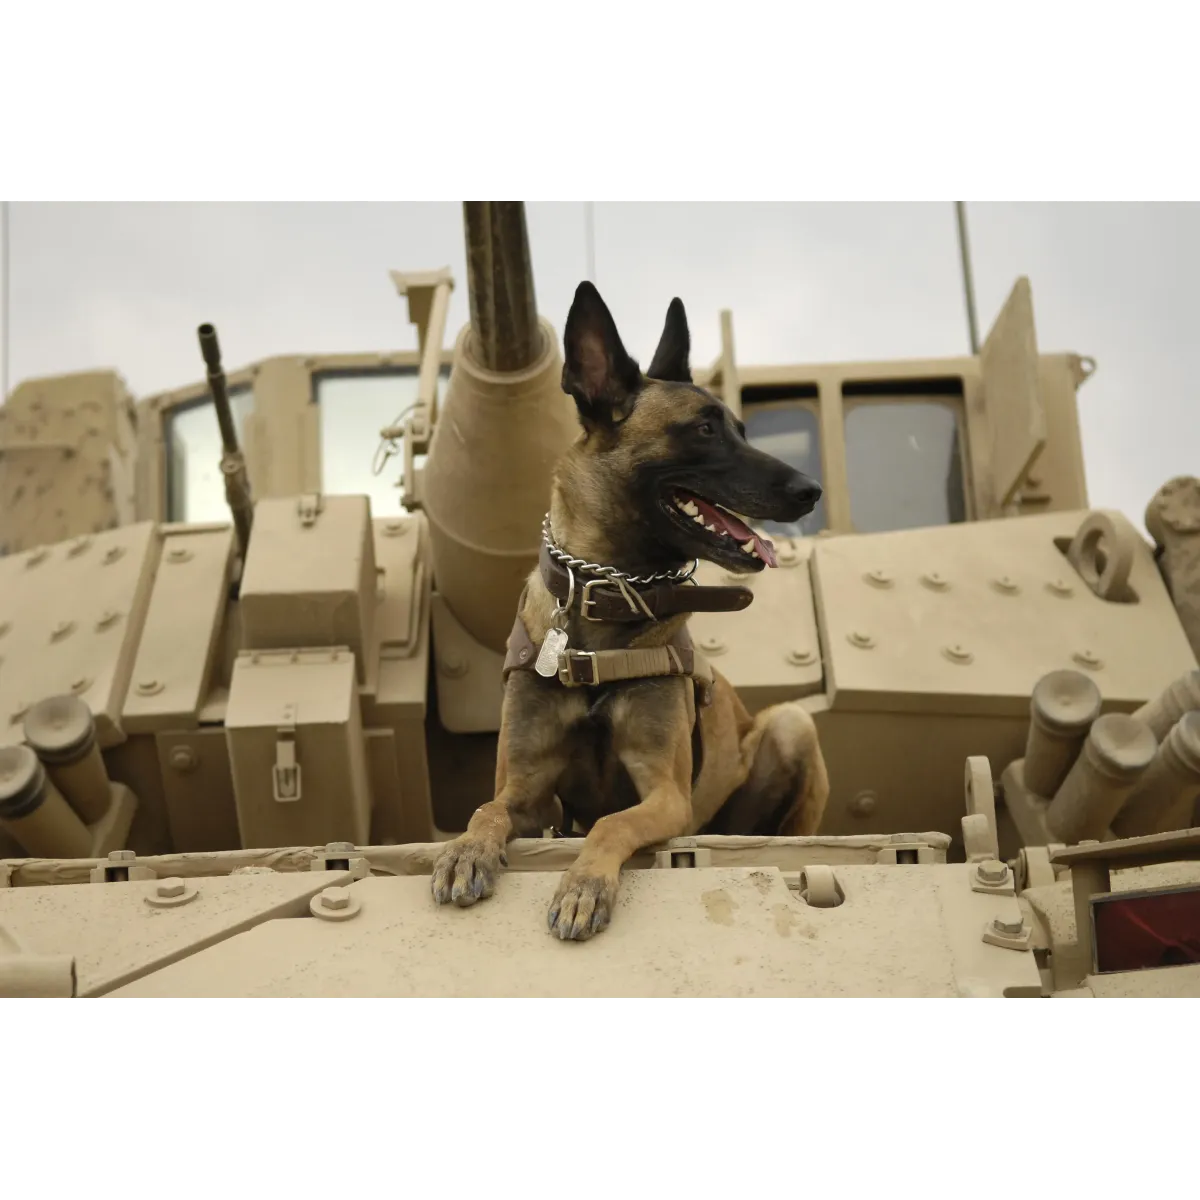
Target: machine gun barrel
{"x":233,"y":463}
{"x":504,"y":319}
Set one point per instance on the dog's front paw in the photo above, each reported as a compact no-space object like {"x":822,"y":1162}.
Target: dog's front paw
{"x":466,"y":871}
{"x":582,"y":906}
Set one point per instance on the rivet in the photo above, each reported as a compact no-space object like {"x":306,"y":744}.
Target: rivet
{"x":112,"y":554}
{"x":935,"y":581}
{"x":524,"y":654}
{"x":108,"y":619}
{"x":712,"y":645}
{"x":18,"y":713}
{"x":864,"y":804}
{"x":80,"y":685}
{"x":1006,"y":585}
{"x":38,"y":556}
{"x":786,"y":555}
{"x":800,"y":656}
{"x":79,"y":546}
{"x":5,"y":626}
{"x":1059,"y":587}
{"x":179,"y":554}
{"x":183,"y":759}
{"x":1085,"y":658}
{"x":395,"y":528}
{"x":958,"y":653}
{"x":149,"y":687}
{"x":861,"y":639}
{"x":878,"y":578}
{"x":61,"y":630}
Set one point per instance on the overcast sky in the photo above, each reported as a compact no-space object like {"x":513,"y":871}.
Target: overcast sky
{"x":125,"y":285}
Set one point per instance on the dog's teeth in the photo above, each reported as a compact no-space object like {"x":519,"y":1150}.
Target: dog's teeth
{"x":690,"y":508}
{"x":748,"y":546}
{"x":710,"y":528}
{"x":698,"y":519}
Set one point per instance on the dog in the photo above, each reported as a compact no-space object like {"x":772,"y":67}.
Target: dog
{"x":607,"y":707}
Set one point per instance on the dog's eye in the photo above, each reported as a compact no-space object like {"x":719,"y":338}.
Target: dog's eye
{"x":705,"y":430}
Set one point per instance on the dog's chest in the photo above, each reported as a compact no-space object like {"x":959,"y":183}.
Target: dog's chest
{"x":595,"y":782}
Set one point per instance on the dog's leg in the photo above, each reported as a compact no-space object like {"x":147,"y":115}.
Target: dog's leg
{"x":653,"y":739}
{"x":529,"y":763}
{"x":787,"y":785}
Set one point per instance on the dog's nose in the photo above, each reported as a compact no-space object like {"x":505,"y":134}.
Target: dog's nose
{"x":801,"y":490}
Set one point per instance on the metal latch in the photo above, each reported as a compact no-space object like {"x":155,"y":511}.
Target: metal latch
{"x":308,"y":507}
{"x":285,"y":777}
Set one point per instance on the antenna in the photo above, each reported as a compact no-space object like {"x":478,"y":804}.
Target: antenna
{"x":964,"y":250}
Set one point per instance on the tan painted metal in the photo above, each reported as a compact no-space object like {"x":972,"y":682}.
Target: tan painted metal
{"x":218,"y":743}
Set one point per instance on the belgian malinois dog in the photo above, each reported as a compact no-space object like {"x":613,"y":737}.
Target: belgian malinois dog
{"x":607,"y":707}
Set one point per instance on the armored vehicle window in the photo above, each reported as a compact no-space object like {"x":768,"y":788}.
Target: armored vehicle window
{"x":354,"y":406}
{"x":791,"y":431}
{"x":904,"y":464}
{"x":195,"y":488}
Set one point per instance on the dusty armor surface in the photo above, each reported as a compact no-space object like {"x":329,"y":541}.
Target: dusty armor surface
{"x":247,"y":692}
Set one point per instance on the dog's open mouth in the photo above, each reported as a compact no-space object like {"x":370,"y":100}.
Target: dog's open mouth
{"x":721,"y":523}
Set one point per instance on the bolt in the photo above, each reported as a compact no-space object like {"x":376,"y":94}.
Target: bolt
{"x":712,"y":643}
{"x":861,"y":639}
{"x":1085,"y":658}
{"x":800,"y":656}
{"x":935,"y":580}
{"x":178,"y":554}
{"x":453,"y":666}
{"x":787,"y":556}
{"x":956,"y":652}
{"x":5,"y":626}
{"x":992,"y":871}
{"x":336,"y":898}
{"x":338,"y":847}
{"x":148,"y":687}
{"x":879,"y":578}
{"x":1008,"y":928}
{"x":1059,"y":587}
{"x":183,"y":759}
{"x":1006,"y":585}
{"x":38,"y":556}
{"x":79,"y":546}
{"x":170,"y":888}
{"x":395,"y":528}
{"x":108,"y":619}
{"x":112,"y":554}
{"x":863,"y":805}
{"x":121,"y":856}
{"x":80,"y":685}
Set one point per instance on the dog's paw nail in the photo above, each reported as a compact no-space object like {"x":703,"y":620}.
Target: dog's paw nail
{"x":503,"y":860}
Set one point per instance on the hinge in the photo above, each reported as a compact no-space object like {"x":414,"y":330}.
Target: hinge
{"x":285,"y":777}
{"x":308,"y":507}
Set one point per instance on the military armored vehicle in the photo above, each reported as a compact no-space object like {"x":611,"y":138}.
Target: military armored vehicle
{"x":249,"y":686}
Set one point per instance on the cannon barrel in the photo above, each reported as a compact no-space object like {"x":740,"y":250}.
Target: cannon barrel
{"x":501,"y":427}
{"x":233,"y":464}
{"x":504,"y":320}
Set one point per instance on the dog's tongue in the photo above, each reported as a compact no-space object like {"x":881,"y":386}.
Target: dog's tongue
{"x":736,"y":528}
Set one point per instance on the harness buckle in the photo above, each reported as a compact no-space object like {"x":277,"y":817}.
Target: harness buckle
{"x":569,"y":676}
{"x":587,"y":603}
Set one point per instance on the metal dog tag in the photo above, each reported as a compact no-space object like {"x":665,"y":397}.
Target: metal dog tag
{"x":552,"y":647}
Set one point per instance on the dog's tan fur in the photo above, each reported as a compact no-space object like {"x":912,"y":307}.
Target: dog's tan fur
{"x":622,"y":753}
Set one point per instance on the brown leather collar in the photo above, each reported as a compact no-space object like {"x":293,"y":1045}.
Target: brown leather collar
{"x":601,"y":599}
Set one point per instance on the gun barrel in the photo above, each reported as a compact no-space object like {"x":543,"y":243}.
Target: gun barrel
{"x":504,"y":320}
{"x":233,"y":465}
{"x":211,"y":349}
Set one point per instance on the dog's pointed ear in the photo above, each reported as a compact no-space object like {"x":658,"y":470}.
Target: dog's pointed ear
{"x":670,"y":362}
{"x":603,"y":380}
